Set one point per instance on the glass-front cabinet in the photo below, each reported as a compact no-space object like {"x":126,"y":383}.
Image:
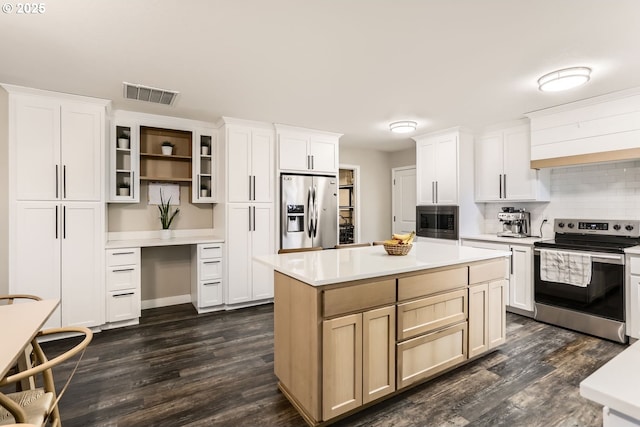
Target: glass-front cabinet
{"x":125,"y":163}
{"x":204,"y":161}
{"x":148,"y":148}
{"x":347,"y":209}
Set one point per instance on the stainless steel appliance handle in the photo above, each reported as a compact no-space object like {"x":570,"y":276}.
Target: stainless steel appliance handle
{"x":309,"y":214}
{"x":500,"y":183}
{"x":315,"y":209}
{"x":595,"y":256}
{"x":436,"y":191}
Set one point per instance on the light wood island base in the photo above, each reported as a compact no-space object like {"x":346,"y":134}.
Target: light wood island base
{"x":342,"y":347}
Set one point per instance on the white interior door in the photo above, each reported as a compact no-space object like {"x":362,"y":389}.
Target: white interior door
{"x":404,"y":199}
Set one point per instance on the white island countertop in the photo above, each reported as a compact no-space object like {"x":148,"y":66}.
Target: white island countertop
{"x":615,"y":384}
{"x":318,"y":268}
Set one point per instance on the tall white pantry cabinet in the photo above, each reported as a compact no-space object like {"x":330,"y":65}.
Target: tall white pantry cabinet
{"x":56,"y":201}
{"x":249,"y":149}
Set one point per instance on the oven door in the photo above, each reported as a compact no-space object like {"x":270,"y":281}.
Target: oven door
{"x":603,"y":296}
{"x":439,"y":222}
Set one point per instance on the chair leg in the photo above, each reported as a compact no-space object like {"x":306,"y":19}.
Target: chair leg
{"x":24,"y":363}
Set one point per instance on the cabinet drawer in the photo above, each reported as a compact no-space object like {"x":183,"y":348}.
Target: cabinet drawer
{"x":487,"y":271}
{"x":123,"y":277}
{"x":427,"y":355}
{"x":635,"y":265}
{"x":124,"y":256}
{"x":210,"y":269}
{"x":431,"y":283}
{"x":428,"y":314}
{"x":123,"y":305}
{"x":208,"y":251}
{"x":358,"y":297}
{"x":210,"y":293}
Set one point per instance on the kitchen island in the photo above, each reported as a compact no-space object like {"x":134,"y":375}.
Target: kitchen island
{"x":356,"y":326}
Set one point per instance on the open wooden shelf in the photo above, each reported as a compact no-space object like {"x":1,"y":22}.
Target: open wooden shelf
{"x":165,"y":157}
{"x":164,"y":179}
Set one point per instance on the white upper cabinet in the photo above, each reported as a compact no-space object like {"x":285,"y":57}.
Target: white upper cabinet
{"x":306,"y":150}
{"x":205,"y":158}
{"x":250,"y":164}
{"x":437,"y":168}
{"x":502,"y":167}
{"x":60,"y":150}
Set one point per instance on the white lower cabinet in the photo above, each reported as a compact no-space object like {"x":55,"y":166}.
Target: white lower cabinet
{"x":66,"y":240}
{"x":519,"y":288}
{"x":123,"y":285}
{"x":206,"y":277}
{"x":633,"y":296}
{"x":250,"y":232}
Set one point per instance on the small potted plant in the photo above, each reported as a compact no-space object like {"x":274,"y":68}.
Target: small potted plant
{"x":123,"y":140}
{"x":167,"y":148}
{"x":166,"y":217}
{"x":123,"y":189}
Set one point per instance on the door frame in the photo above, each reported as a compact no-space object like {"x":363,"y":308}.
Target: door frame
{"x":357,"y":188}
{"x":393,"y":189}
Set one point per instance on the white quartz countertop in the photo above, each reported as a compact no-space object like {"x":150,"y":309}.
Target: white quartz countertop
{"x":615,"y":384}
{"x":330,"y":266}
{"x":154,"y":241}
{"x":633,"y":250}
{"x":510,"y":240}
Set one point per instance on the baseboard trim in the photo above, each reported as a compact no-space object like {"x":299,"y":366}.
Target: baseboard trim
{"x":167,"y":301}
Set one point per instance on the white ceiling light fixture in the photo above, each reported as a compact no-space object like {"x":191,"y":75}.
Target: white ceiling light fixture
{"x":564,"y":79}
{"x":404,"y":126}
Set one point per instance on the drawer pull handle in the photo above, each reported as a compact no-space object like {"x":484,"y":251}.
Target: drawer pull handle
{"x":123,"y":253}
{"x":212,"y":247}
{"x":211,"y":283}
{"x":211,"y":262}
{"x":123,"y":269}
{"x":124,"y":295}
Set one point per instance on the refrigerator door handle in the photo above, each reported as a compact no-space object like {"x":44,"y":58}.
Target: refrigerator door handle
{"x":309,"y":213}
{"x":315,"y":212}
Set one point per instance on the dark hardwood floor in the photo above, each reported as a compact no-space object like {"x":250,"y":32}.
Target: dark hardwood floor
{"x":178,"y":368}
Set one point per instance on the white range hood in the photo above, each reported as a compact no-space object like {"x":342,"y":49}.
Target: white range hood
{"x":600,"y":129}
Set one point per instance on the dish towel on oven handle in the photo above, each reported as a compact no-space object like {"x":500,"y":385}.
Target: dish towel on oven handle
{"x":565,"y":267}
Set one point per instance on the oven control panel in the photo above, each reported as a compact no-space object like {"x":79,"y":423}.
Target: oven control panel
{"x":623,"y":227}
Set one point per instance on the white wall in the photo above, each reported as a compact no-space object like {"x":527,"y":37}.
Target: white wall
{"x":600,"y":191}
{"x":375,"y":191}
{"x":403,"y":158}
{"x":4,"y":195}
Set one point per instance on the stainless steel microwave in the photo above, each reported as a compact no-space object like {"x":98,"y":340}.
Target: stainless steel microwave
{"x":437,"y":221}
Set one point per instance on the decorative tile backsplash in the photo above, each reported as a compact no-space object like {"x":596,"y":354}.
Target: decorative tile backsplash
{"x":599,"y":191}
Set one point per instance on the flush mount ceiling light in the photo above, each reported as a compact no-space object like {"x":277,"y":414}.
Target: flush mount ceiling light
{"x":564,"y":79}
{"x":404,"y":126}
{"x":149,"y":94}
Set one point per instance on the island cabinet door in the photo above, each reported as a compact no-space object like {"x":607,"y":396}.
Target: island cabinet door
{"x":497,"y":317}
{"x":478,"y":317}
{"x":422,"y":357}
{"x":378,"y":353}
{"x":341,"y":365}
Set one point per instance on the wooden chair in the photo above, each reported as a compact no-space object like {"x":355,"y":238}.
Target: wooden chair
{"x":39,"y":406}
{"x":352,"y":245}
{"x":288,"y":251}
{"x":9,"y":299}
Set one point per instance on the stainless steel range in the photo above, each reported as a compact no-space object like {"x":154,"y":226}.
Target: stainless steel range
{"x":579,"y":276}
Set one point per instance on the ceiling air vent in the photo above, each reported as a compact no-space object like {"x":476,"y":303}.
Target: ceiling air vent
{"x":149,"y":94}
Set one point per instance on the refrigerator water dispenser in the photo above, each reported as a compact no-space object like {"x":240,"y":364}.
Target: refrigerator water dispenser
{"x":295,"y":218}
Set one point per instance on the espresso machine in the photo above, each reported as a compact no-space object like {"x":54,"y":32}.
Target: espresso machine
{"x":515,"y":223}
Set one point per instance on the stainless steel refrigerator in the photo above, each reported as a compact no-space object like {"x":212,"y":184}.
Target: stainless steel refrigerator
{"x":308,"y":211}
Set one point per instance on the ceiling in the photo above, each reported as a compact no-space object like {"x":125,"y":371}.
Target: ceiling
{"x":347,"y":66}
